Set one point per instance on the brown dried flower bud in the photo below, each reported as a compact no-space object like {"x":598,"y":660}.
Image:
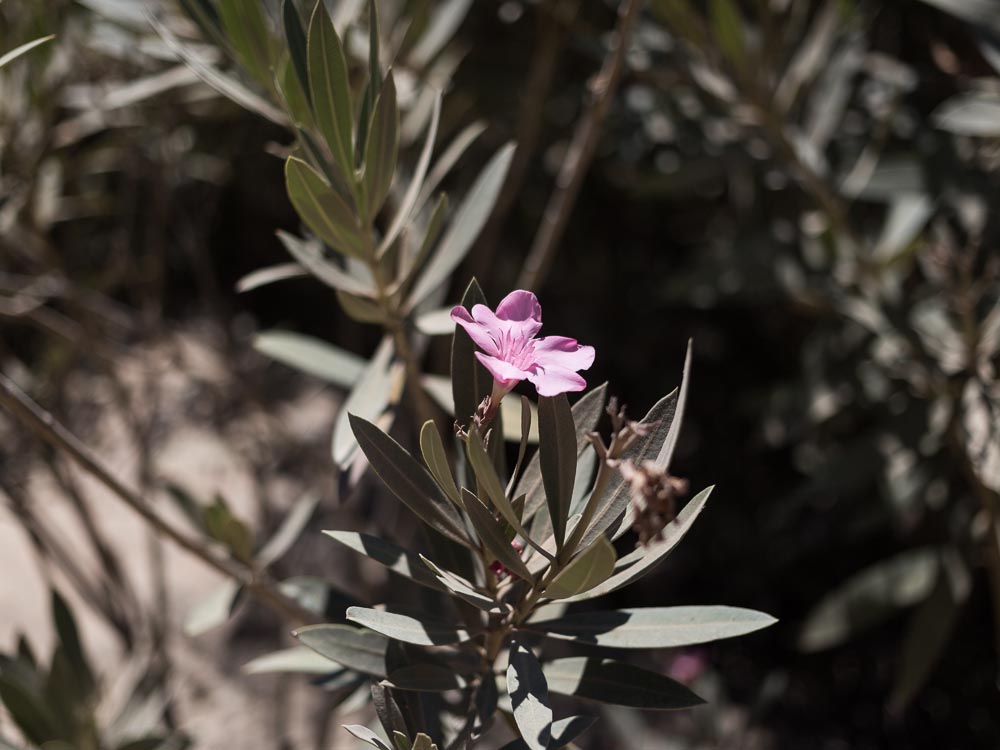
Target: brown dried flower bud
{"x":654,"y":497}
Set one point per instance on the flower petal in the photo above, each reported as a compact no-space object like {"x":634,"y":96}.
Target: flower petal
{"x":484,"y":336}
{"x":503,"y":372}
{"x":551,"y":381}
{"x":520,"y":305}
{"x":518,"y":331}
{"x":561,"y":351}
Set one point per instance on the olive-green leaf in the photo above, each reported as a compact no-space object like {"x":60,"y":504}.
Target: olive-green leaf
{"x":298,"y":48}
{"x":436,"y":459}
{"x":322,"y":209}
{"x":557,"y":456}
{"x":386,"y":553}
{"x":728,"y":28}
{"x":655,"y":627}
{"x":421,"y":631}
{"x":529,"y":696}
{"x":247,"y":31}
{"x":361,"y":309}
{"x":308,"y":254}
{"x":488,"y":480}
{"x":460,"y":587}
{"x":382,"y":148}
{"x":464,"y":229}
{"x":69,"y":639}
{"x":589,"y":568}
{"x":493,"y":536}
{"x":331,"y":89}
{"x":470,"y":382}
{"x":298,"y":659}
{"x":407,"y":479}
{"x":355,"y":648}
{"x":29,"y":713}
{"x":421,"y":678}
{"x":645,"y":559}
{"x":618,"y":683}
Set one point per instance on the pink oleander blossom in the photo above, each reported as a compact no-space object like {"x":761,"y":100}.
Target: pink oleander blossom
{"x":511,"y":352}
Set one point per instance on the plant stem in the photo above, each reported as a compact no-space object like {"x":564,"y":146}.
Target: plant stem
{"x":580,"y":154}
{"x":42,"y":423}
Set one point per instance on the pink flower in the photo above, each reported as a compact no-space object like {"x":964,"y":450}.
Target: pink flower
{"x":511,"y":352}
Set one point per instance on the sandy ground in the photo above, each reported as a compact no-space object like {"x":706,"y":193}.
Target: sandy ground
{"x":218,"y":705}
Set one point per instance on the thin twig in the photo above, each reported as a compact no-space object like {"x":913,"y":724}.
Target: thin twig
{"x":580,"y":154}
{"x":32,"y":416}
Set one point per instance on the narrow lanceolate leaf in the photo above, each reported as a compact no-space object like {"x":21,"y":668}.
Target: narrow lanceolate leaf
{"x":28,"y":712}
{"x":493,"y":536}
{"x":564,"y":731}
{"x":407,"y":479}
{"x":18,"y":51}
{"x":470,"y":382}
{"x":322,"y":209}
{"x":298,"y":659}
{"x":298,"y":49}
{"x":523,"y":446}
{"x":460,"y":587}
{"x":557,"y":456}
{"x":354,"y":648}
{"x":361,"y":309}
{"x":488,"y":480}
{"x":331,"y":90}
{"x":670,"y":442}
{"x":382,"y":148}
{"x":312,"y":356}
{"x":647,"y":558}
{"x":369,"y":399}
{"x":421,"y":631}
{"x":309,"y":255}
{"x":437,"y":461}
{"x":589,"y":568}
{"x":269,"y":275}
{"x":386,"y":553}
{"x":586,"y":414}
{"x":618,"y":683}
{"x":529,"y":697}
{"x":655,"y":627}
{"x":367,"y":735}
{"x":424,"y":678}
{"x":246,"y":29}
{"x":464,"y":229}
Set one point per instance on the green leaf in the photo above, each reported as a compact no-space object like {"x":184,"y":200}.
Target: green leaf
{"x":354,"y":648}
{"x":647,"y":558}
{"x":331,"y":90}
{"x":30,"y":715}
{"x":470,"y":381}
{"x":973,"y":114}
{"x":522,"y":447}
{"x":298,"y":659}
{"x":421,"y":631}
{"x":728,"y":28}
{"x":312,"y":356}
{"x":69,"y":638}
{"x":469,"y":220}
{"x":436,"y":459}
{"x":291,"y":528}
{"x":422,"y":742}
{"x":424,"y":678}
{"x":386,"y":553}
{"x":529,"y":697}
{"x":213,"y":610}
{"x":618,"y":683}
{"x":381,"y":149}
{"x":589,"y":568}
{"x":361,"y":309}
{"x":557,"y":456}
{"x":414,"y":263}
{"x":227,"y":529}
{"x":488,"y":480}
{"x":492,"y":535}
{"x":309,"y":255}
{"x":322,"y":209}
{"x":677,"y":418}
{"x":407,"y":479}
{"x":655,"y":627}
{"x":869,"y":598}
{"x":369,"y":399}
{"x":461,"y":587}
{"x":298,"y":49}
{"x":367,"y":735}
{"x":246,"y":29}
{"x":18,"y":51}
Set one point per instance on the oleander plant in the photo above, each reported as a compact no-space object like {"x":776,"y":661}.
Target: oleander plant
{"x":510,"y":551}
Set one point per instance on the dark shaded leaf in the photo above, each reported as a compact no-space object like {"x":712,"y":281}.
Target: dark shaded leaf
{"x":529,"y":697}
{"x":609,"y":681}
{"x":382,"y":148}
{"x":493,"y":536}
{"x":331,"y":90}
{"x":355,"y":648}
{"x":557,"y":456}
{"x":431,"y":678}
{"x":395,"y":558}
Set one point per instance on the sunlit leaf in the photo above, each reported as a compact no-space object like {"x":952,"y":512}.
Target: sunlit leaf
{"x":421,"y":631}
{"x":312,"y":356}
{"x":24,"y":48}
{"x":589,"y":568}
{"x":322,"y":209}
{"x":529,"y":697}
{"x":298,"y":659}
{"x":354,"y":648}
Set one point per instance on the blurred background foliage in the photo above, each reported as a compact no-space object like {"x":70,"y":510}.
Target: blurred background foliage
{"x":804,"y":187}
